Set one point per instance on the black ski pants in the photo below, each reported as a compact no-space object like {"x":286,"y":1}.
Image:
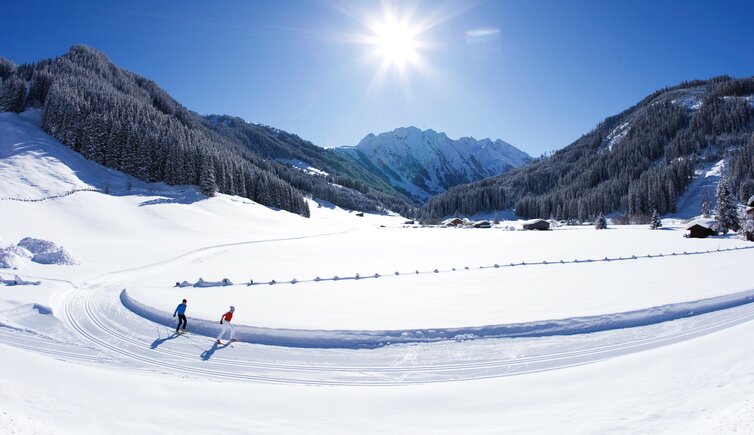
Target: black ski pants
{"x":181,"y":318}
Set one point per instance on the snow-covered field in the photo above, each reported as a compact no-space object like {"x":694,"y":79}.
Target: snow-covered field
{"x":560,"y":331}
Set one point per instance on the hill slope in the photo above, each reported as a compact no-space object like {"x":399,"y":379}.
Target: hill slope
{"x":639,"y":160}
{"x":425,"y":163}
{"x":127,"y":122}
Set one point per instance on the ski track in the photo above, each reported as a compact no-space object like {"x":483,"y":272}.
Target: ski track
{"x":110,"y":335}
{"x":107,"y":334}
{"x":219,"y":246}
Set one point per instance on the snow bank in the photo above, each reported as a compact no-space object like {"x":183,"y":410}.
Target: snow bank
{"x":371,"y":339}
{"x":60,"y":257}
{"x":10,"y":260}
{"x":37,"y":246}
{"x":37,"y":250}
{"x":17,"y":280}
{"x":203,"y":283}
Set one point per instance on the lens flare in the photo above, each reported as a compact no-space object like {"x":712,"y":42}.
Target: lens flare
{"x":396,"y":42}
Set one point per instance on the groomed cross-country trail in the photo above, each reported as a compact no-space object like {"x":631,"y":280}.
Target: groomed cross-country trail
{"x":100,"y":324}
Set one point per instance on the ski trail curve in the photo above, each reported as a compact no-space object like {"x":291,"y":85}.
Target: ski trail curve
{"x":131,"y":342}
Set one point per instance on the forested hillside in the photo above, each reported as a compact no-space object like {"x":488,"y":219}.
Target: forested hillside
{"x":277,"y":145}
{"x":127,"y":122}
{"x":635,"y":162}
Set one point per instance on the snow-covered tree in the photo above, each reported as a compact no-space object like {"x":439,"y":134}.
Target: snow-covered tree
{"x":12,"y":94}
{"x":749,"y":226}
{"x":727,"y":211}
{"x":600,"y":223}
{"x":207,"y":183}
{"x":656,"y":221}
{"x":705,"y":209}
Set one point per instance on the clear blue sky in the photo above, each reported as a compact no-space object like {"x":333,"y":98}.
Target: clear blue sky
{"x":537,"y":74}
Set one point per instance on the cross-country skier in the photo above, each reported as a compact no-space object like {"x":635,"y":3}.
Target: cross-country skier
{"x":181,"y":311}
{"x":225,"y":321}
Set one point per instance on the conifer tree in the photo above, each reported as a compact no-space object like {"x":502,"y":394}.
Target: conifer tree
{"x":207,"y":183}
{"x":705,"y":209}
{"x":12,"y":94}
{"x":656,"y":221}
{"x":600,"y":223}
{"x":727,"y":213}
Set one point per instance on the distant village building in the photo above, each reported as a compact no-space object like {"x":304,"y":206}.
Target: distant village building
{"x":536,"y":224}
{"x":702,"y":228}
{"x":482,"y":224}
{"x":452,"y":222}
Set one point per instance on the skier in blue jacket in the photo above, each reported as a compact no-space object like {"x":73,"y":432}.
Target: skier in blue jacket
{"x":181,"y":311}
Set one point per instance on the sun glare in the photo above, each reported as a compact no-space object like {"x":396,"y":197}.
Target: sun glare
{"x":398,"y":40}
{"x":396,"y":43}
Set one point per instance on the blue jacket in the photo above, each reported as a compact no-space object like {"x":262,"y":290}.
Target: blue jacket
{"x":180,"y":309}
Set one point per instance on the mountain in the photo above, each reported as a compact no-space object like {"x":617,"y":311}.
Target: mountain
{"x":326,"y":164}
{"x":644,"y":158}
{"x":425,"y":163}
{"x":127,"y":122}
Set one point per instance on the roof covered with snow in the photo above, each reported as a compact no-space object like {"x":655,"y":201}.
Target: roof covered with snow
{"x":532,"y":221}
{"x":706,"y":223}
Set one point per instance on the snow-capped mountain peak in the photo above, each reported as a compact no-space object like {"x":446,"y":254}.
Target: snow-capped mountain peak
{"x":427,"y":162}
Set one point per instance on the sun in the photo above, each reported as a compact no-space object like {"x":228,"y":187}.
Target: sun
{"x":398,"y":39}
{"x":395,"y":42}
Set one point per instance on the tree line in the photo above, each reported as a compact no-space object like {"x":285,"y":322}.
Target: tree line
{"x":636,"y":162}
{"x":127,"y":122}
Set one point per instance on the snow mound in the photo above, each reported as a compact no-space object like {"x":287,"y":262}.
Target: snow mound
{"x":39,"y":251}
{"x":37,"y":246}
{"x":11,"y":260}
{"x":203,"y":283}
{"x":17,"y":280}
{"x":60,"y":257}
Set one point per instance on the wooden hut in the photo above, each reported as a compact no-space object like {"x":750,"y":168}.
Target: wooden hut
{"x":536,"y":224}
{"x":453,"y":222}
{"x":482,"y":224}
{"x":702,"y":228}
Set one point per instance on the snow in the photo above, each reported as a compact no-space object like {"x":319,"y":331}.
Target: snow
{"x":304,"y":167}
{"x":617,"y":135}
{"x":706,"y":223}
{"x":702,"y":188}
{"x":17,"y":280}
{"x":427,"y":162}
{"x":716,"y":170}
{"x":44,"y":252}
{"x":690,"y":99}
{"x":10,"y":259}
{"x":690,"y":102}
{"x":518,"y":342}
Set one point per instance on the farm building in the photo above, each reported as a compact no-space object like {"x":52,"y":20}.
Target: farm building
{"x":701,"y":228}
{"x":452,"y":222}
{"x":536,"y":224}
{"x":482,"y":224}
